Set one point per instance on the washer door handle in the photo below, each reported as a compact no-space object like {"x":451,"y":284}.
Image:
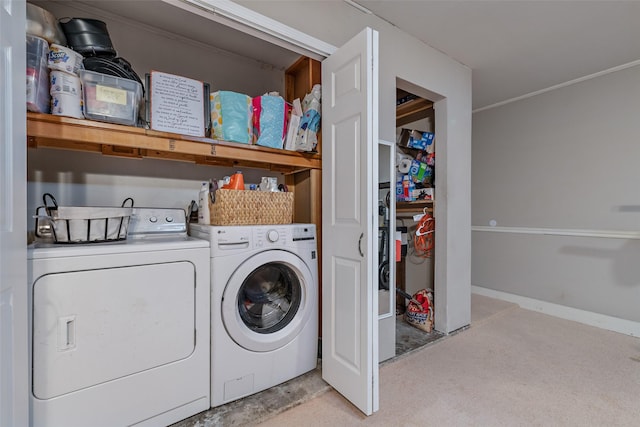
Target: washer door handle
{"x":360,"y":245}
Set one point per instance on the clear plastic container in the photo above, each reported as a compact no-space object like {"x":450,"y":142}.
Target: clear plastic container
{"x":38,"y":98}
{"x":110,"y":99}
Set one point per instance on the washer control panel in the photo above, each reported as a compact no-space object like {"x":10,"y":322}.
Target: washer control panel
{"x":304,"y":232}
{"x":271,"y":236}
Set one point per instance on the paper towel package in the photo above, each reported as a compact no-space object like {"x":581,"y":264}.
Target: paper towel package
{"x":270,"y":113}
{"x":231,"y":116}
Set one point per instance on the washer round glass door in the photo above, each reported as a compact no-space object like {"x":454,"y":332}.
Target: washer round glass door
{"x":268,"y":300}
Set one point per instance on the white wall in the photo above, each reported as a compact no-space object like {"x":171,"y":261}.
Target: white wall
{"x":563,"y":160}
{"x":432,"y":75}
{"x":89,"y":179}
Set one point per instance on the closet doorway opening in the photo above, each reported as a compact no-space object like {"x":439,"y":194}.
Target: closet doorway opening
{"x":409,"y":192}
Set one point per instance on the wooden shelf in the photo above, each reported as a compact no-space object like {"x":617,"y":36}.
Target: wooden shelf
{"x":49,"y":131}
{"x":414,"y":207}
{"x":412,"y":111}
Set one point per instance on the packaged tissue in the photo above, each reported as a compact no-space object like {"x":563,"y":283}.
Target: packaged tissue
{"x":270,"y":113}
{"x":231,"y":116}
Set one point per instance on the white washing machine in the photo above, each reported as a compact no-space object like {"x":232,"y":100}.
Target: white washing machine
{"x":264,"y":306}
{"x":120,"y":331}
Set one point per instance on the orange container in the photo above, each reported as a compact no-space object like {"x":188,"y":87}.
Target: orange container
{"x":236,"y":182}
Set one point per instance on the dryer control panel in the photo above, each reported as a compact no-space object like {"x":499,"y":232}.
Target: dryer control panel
{"x":150,"y":221}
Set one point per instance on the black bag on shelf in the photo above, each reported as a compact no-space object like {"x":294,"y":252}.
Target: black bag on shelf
{"x":89,"y":37}
{"x":118,"y":67}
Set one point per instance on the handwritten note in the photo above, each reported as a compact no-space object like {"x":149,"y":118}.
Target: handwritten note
{"x":177,"y":104}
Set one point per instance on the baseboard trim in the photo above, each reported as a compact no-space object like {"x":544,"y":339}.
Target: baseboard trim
{"x":602,"y":321}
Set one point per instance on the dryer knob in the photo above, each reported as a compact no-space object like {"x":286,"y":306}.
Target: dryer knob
{"x":272,"y":236}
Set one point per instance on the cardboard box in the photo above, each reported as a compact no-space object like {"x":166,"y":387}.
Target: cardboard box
{"x":418,"y":140}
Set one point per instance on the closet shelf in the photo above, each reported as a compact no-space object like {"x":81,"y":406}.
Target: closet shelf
{"x":412,"y":111}
{"x":50,"y":131}
{"x":414,"y":207}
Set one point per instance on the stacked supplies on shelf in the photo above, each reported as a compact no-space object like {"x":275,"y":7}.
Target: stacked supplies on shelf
{"x":415,"y":163}
{"x":267,"y":120}
{"x":309,"y":113}
{"x":88,"y":80}
{"x":73,"y":70}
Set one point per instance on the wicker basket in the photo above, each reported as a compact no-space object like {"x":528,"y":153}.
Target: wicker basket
{"x":245,"y":207}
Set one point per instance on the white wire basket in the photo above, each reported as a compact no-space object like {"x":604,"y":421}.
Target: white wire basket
{"x":82,"y":224}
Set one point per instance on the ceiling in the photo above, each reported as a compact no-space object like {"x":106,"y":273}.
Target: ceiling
{"x":521,"y":46}
{"x":163,"y":18}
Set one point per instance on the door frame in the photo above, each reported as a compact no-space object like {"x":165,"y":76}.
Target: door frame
{"x":14,"y":354}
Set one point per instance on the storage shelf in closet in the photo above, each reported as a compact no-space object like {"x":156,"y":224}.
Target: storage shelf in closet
{"x":411,"y":111}
{"x":414,"y":207}
{"x":49,"y":131}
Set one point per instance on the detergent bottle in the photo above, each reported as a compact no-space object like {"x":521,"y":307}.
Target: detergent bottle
{"x":236,"y":182}
{"x":203,"y":204}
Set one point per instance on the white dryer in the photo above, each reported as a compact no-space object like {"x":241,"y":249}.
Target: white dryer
{"x":120,"y":331}
{"x":264,"y":306}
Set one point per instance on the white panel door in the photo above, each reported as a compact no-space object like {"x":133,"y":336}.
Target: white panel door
{"x":14,"y":378}
{"x":349,"y":195}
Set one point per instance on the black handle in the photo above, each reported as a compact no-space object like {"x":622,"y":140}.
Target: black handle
{"x":48,"y":207}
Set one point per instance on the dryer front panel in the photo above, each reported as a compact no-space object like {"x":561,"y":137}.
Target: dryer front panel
{"x":268,"y":300}
{"x":94,"y":326}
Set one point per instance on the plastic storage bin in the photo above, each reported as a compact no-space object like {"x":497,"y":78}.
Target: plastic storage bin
{"x":38,"y":98}
{"x":110,"y":99}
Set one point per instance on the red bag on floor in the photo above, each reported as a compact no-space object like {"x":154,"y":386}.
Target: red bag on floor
{"x":420,"y":310}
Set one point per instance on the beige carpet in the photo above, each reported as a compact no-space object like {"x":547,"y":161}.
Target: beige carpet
{"x":512,"y":367}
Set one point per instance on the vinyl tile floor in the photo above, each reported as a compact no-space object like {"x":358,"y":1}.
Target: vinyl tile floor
{"x":263,"y":405}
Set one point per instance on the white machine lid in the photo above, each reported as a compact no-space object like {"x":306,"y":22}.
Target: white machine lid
{"x":53,"y":250}
{"x":150,"y":229}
